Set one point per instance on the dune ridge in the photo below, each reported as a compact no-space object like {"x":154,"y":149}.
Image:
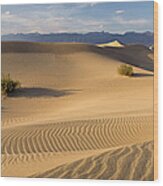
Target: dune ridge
{"x":124,"y":54}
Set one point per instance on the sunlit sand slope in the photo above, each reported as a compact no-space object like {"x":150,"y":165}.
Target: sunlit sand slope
{"x":112,"y":44}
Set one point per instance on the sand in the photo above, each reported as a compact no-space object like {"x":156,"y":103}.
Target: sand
{"x":112,"y":44}
{"x":75,"y":116}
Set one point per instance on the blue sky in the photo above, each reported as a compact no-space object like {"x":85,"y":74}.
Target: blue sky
{"x":118,"y":17}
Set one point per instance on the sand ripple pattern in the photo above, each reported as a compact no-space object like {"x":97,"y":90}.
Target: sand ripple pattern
{"x":77,"y":135}
{"x":129,"y":162}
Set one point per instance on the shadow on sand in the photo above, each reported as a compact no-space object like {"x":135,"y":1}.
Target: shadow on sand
{"x":41,"y":92}
{"x":141,"y":75}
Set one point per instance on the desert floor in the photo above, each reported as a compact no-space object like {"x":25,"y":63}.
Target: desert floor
{"x":75,"y":116}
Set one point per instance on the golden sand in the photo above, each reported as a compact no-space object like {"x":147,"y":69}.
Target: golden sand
{"x":75,"y":116}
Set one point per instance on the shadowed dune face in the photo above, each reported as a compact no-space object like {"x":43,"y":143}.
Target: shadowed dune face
{"x":75,"y":116}
{"x":142,"y":75}
{"x":134,"y":55}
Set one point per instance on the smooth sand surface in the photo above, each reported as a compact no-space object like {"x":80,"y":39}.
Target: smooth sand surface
{"x":75,"y":116}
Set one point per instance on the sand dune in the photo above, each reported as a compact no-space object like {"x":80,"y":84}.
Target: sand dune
{"x":56,"y":48}
{"x":75,"y":111}
{"x":112,"y":44}
{"x":137,"y":55}
{"x":127,"y":163}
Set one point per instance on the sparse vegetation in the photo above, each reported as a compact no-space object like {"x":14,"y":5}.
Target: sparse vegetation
{"x":125,"y":70}
{"x":8,"y":85}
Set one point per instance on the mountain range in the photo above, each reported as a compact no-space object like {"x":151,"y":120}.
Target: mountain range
{"x":146,"y":38}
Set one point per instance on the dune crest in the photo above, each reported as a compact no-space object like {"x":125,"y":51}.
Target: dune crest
{"x":112,"y":44}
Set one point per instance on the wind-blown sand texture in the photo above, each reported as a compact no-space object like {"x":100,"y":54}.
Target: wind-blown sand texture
{"x":75,"y":116}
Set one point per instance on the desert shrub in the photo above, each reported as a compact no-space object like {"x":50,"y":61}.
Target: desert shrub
{"x":8,"y":85}
{"x":125,"y":70}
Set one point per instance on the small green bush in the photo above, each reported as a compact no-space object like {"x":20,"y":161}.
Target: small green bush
{"x":8,"y":85}
{"x":125,"y":70}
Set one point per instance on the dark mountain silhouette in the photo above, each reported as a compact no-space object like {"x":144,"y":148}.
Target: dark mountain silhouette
{"x":146,"y":38}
